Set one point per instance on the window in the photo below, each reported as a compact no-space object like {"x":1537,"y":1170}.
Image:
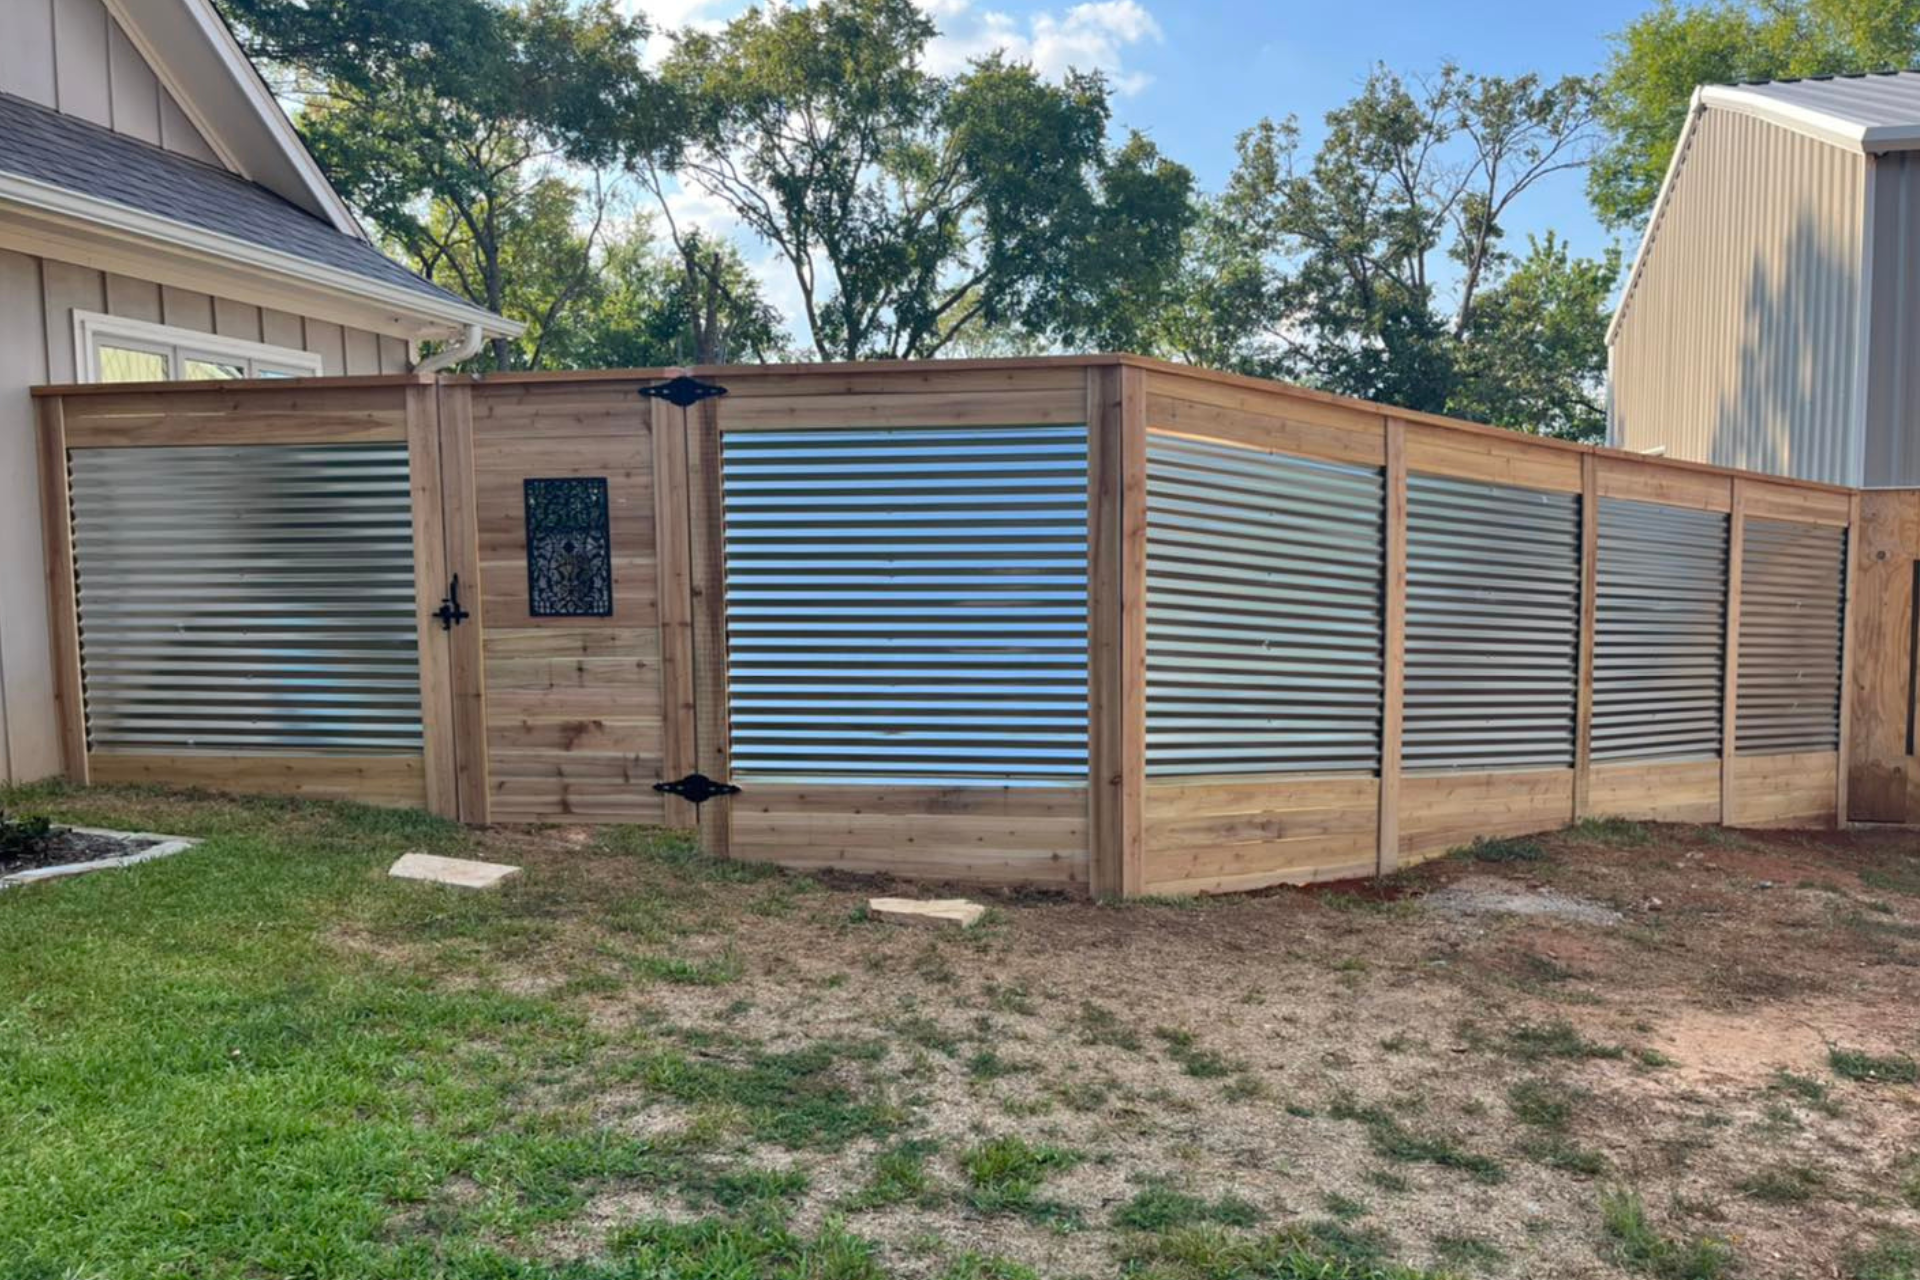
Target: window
{"x":112,"y":349}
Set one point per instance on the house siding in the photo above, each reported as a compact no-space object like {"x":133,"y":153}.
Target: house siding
{"x":1738,"y":344}
{"x":72,"y":56}
{"x":38,"y":297}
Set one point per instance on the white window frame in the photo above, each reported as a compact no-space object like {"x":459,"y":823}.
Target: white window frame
{"x":177,"y":346}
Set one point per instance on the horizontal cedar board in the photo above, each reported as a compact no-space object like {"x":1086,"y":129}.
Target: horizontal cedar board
{"x":589,"y":638}
{"x":1209,"y":836}
{"x":504,"y":597}
{"x":565,"y":674}
{"x":880,"y":380}
{"x":159,"y":430}
{"x":1274,"y":420}
{"x":1515,"y":460}
{"x":379,"y":780}
{"x":1656,"y":791}
{"x":1795,"y":790}
{"x":602,"y":769}
{"x":1442,"y":811}
{"x":999,"y":835}
{"x":516,"y":799}
{"x":1653,"y":482}
{"x":1767,"y":501}
{"x":610,"y":731}
{"x":981,"y":409}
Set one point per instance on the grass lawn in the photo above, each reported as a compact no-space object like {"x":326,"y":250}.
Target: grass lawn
{"x":263,"y":1058}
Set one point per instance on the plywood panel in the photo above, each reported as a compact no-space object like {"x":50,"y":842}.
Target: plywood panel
{"x":362,"y":352}
{"x":177,"y":133}
{"x":397,"y":781}
{"x":1784,"y":791}
{"x":1218,"y":835}
{"x":986,"y":835}
{"x":328,"y":341}
{"x":1664,"y":791}
{"x":1881,"y":772}
{"x":1442,"y":811}
{"x":133,"y":299}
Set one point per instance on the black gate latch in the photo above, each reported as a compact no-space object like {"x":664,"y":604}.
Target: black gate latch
{"x":682,"y":392}
{"x":697,"y":788}
{"x":450,"y":610}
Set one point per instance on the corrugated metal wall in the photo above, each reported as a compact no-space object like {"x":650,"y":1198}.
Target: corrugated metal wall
{"x":908,"y":604}
{"x":1493,"y":625}
{"x":1264,"y":629}
{"x":1737,"y":344}
{"x":1792,"y":619}
{"x":1660,"y":632}
{"x":249,"y":599}
{"x":1893,"y":365}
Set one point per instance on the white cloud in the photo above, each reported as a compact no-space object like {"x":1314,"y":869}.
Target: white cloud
{"x":1094,"y":36}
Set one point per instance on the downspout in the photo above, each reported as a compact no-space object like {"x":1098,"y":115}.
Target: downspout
{"x":466,"y":348}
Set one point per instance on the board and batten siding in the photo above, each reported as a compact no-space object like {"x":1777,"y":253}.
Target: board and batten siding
{"x":38,"y":297}
{"x":1738,"y":341}
{"x":72,"y":56}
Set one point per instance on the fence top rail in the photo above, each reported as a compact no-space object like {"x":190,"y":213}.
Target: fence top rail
{"x":879,"y":369}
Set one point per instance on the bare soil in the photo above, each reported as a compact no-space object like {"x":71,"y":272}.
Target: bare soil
{"x":1251,"y":1047}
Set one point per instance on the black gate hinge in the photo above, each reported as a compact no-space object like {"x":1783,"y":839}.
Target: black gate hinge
{"x":684,"y":391}
{"x":697,"y":788}
{"x":451,"y":611}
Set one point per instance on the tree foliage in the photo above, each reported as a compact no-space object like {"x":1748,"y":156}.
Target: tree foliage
{"x":1660,"y":57}
{"x":909,"y":207}
{"x":448,"y":123}
{"x":1377,"y":266}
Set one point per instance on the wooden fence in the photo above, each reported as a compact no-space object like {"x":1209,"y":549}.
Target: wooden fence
{"x":977,"y":767}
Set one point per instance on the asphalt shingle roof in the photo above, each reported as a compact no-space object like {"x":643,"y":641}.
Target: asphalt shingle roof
{"x":82,"y":157}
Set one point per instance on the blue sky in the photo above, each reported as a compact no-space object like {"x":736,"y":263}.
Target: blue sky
{"x":1193,"y":74}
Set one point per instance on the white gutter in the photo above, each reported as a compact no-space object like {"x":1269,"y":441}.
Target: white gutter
{"x":467,"y":347}
{"x":229,"y":251}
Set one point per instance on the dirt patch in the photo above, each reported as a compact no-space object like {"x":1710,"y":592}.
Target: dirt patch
{"x":1458,"y":1056}
{"x":65,"y":846}
{"x":1492,"y":895}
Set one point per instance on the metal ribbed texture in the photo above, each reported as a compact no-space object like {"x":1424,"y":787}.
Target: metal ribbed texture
{"x":1737,"y":342}
{"x":1263,"y":611}
{"x":908,"y":604}
{"x":1493,"y":624}
{"x":1660,"y":632}
{"x":1791,"y":620}
{"x":246,"y":600}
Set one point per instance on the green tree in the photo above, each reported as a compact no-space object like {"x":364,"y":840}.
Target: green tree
{"x":1377,"y":252}
{"x":1535,"y":356}
{"x":912,"y":209}
{"x":1659,"y":59}
{"x":644,"y":309}
{"x":452,"y":126}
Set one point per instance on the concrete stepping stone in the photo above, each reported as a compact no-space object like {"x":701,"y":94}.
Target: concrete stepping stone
{"x":461,"y":873}
{"x":937,"y":913}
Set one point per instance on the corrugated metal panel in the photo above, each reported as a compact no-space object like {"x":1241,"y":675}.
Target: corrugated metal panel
{"x":1792,"y":617}
{"x":247,"y":599}
{"x":1893,"y":375}
{"x":1493,"y":625}
{"x":908,"y":605}
{"x":1660,"y":632}
{"x":1263,"y":611}
{"x":1737,"y":342}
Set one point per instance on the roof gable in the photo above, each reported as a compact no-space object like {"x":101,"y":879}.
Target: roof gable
{"x":188,"y":46}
